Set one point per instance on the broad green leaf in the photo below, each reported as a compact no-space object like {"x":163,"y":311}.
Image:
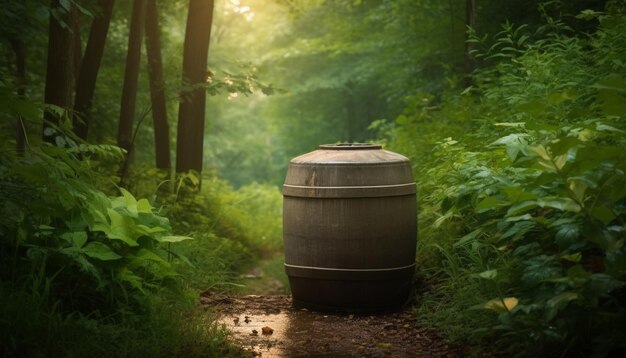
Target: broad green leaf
{"x":541,"y":151}
{"x":143,"y":206}
{"x":524,"y":217}
{"x":603,"y":213}
{"x":516,"y":194}
{"x":563,"y":204}
{"x":121,"y":228}
{"x":567,"y":237}
{"x":501,"y":304}
{"x":490,"y":202}
{"x":578,"y":187}
{"x":147,"y":230}
{"x":560,"y":161}
{"x":518,"y":230}
{"x":100,"y":251}
{"x":173,"y":238}
{"x":130,"y":202}
{"x":521,"y":208}
{"x":77,"y":239}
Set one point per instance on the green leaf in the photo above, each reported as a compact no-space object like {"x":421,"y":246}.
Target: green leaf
{"x":100,"y":251}
{"x":521,"y":208}
{"x":567,"y":237}
{"x":130,"y":203}
{"x":541,"y":151}
{"x":143,"y":206}
{"x":563,"y":204}
{"x":77,"y":239}
{"x":489,"y":203}
{"x":562,"y":299}
{"x":173,"y":238}
{"x":469,"y":237}
{"x":487,"y":275}
{"x":148,"y":231}
{"x":575,"y":258}
{"x":603,"y":213}
{"x":121,"y":228}
{"x":578,"y":188}
{"x":516,"y":194}
{"x":518,"y":230}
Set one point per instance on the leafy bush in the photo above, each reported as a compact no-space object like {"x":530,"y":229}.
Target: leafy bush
{"x":84,"y":273}
{"x":528,"y":223}
{"x":98,"y":250}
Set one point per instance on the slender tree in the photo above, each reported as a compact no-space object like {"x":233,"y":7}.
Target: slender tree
{"x":78,"y":46}
{"x":59,"y":69}
{"x":88,"y":74}
{"x":190,"y":137}
{"x":129,"y":88}
{"x":470,"y":22}
{"x":157,"y":91}
{"x":20,"y":73}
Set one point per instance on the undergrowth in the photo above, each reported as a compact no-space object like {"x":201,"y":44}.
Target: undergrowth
{"x":521,"y":182}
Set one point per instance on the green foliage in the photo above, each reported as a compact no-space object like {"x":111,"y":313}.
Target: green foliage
{"x":109,"y":249}
{"x":523,"y":230}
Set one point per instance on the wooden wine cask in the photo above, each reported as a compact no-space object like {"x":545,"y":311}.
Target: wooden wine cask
{"x":350,"y":228}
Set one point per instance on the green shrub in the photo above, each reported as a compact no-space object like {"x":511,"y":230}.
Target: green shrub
{"x":523,"y":230}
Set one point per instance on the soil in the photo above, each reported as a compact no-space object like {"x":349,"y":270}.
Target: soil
{"x":269,"y":326}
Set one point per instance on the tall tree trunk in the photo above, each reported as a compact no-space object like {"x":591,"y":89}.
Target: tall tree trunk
{"x":129,"y":89}
{"x":78,"y":46}
{"x":470,"y":21}
{"x":59,"y":69}
{"x":86,"y":83}
{"x":157,"y":92}
{"x":20,"y":73}
{"x":191,"y":110}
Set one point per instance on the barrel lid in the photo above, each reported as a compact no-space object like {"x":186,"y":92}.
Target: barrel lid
{"x":351,"y":146}
{"x":349,"y":153}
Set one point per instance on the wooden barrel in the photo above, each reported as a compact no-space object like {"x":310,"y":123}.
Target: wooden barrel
{"x":350,"y":228}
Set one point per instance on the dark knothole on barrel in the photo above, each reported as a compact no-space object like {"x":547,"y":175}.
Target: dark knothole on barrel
{"x":350,"y":228}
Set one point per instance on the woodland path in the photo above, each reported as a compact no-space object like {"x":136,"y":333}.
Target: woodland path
{"x":291,"y":332}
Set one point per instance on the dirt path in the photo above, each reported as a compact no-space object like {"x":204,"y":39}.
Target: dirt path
{"x":269,"y":326}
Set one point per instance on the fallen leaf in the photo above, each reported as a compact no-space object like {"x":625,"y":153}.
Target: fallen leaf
{"x":384,"y":345}
{"x":267,"y":330}
{"x":501,"y":305}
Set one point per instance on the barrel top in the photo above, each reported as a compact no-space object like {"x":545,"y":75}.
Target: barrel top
{"x":350,"y":153}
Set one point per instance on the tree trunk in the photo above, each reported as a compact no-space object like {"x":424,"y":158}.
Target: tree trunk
{"x":78,"y":46}
{"x":20,"y":73}
{"x":129,"y":88}
{"x":59,"y":69}
{"x":157,"y":92}
{"x":470,"y":21}
{"x":191,"y":110}
{"x":86,"y":83}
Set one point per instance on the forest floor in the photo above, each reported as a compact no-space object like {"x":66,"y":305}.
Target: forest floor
{"x":268,"y":325}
